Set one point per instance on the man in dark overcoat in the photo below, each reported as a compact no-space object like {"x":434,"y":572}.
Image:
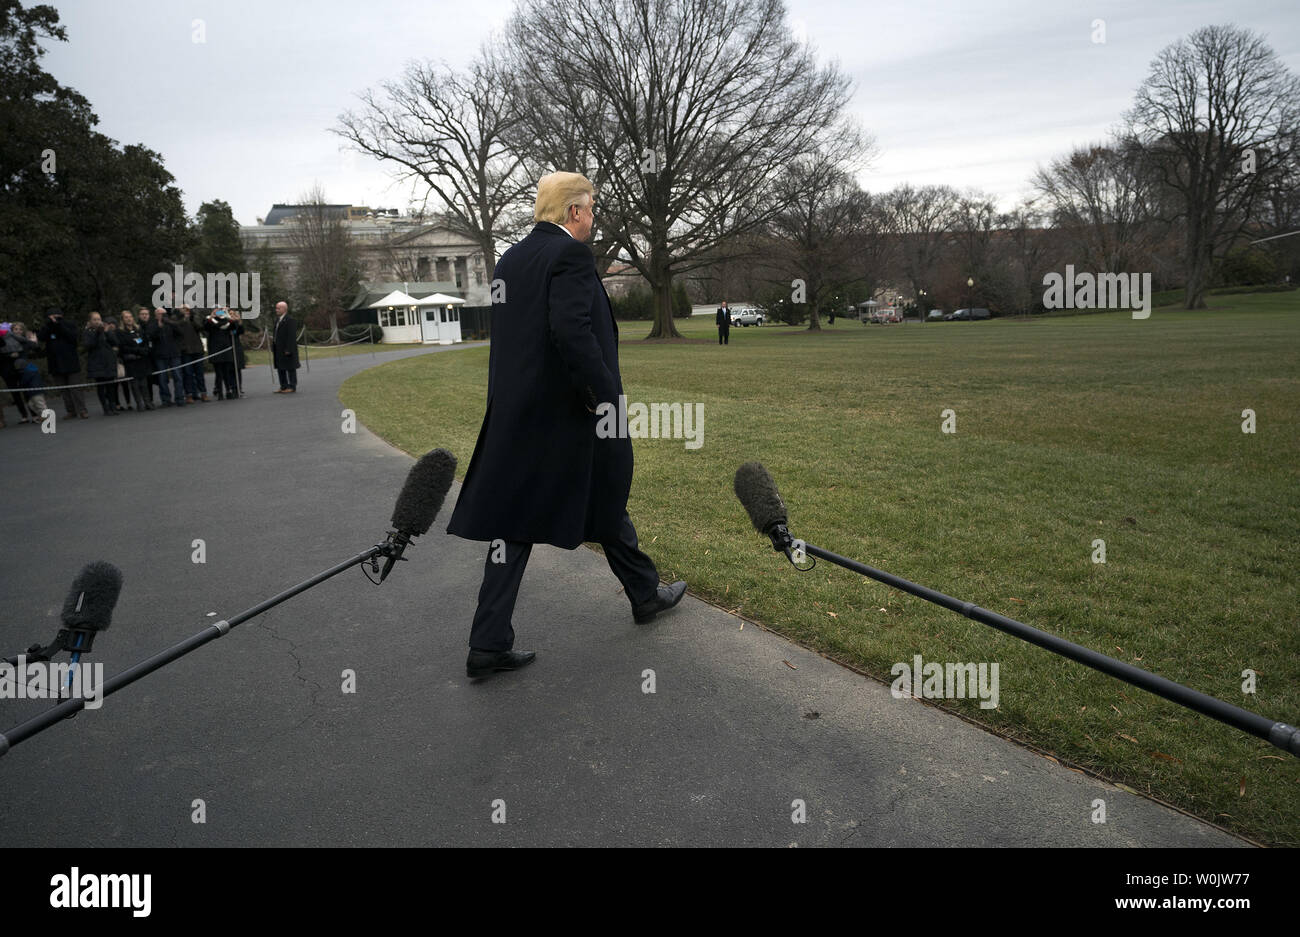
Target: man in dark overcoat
{"x":541,"y":472}
{"x":284,"y":349}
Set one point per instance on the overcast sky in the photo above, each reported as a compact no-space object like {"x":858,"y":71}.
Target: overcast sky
{"x":972,"y":93}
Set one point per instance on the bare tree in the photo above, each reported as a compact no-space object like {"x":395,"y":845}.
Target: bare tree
{"x":1219,"y":114}
{"x":815,"y":229}
{"x":925,"y":217}
{"x":973,"y":220}
{"x":692,"y":109}
{"x":1104,"y":199}
{"x":873,"y":240}
{"x":328,"y":270}
{"x":546,"y":139}
{"x":448,"y":130}
{"x":1024,"y":251}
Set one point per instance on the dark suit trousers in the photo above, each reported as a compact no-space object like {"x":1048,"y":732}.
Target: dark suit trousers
{"x":492,"y":629}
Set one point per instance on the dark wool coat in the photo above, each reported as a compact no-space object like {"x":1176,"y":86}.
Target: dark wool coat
{"x":539,"y":473}
{"x":101,"y":354}
{"x":164,"y":339}
{"x":284,"y":348}
{"x":60,"y":340}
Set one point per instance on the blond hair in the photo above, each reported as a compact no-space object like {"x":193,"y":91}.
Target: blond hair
{"x":557,"y":191}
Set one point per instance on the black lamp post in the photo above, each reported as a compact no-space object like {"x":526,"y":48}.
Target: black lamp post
{"x":970,"y":296}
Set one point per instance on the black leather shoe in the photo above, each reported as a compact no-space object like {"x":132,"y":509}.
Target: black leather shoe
{"x":483,"y":663}
{"x":667,"y":597}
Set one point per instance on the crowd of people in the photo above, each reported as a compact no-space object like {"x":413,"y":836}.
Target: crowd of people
{"x":126,"y":358}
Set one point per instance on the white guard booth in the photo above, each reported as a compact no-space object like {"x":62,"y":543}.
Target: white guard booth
{"x":439,"y":319}
{"x":398,"y":320}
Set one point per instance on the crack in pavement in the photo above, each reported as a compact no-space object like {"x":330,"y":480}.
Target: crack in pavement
{"x":293,"y":652}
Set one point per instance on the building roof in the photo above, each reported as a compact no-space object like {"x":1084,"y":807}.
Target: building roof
{"x":279,"y":212}
{"x":371,"y":293}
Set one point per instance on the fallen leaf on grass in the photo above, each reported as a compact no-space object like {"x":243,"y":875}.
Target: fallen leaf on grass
{"x":832,"y":614}
{"x":1164,"y":757}
{"x":1129,"y":737}
{"x":1241,"y":789}
{"x":790,"y":665}
{"x":1051,"y":759}
{"x":1116,"y":708}
{"x":1012,"y":598}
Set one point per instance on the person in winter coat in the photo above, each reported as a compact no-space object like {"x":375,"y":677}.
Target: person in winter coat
{"x":60,"y":338}
{"x":544,"y":470}
{"x":284,"y":349}
{"x":101,"y":361}
{"x":17,"y":353}
{"x":196,"y":388}
{"x":221,"y":345}
{"x":236,"y":331}
{"x":164,"y":335}
{"x":11,"y":350}
{"x":133,"y":348}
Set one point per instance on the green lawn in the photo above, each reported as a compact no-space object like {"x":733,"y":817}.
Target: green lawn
{"x":1068,"y":430}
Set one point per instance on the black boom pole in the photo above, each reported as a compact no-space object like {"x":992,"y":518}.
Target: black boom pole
{"x":1279,"y":734}
{"x":216,"y":630}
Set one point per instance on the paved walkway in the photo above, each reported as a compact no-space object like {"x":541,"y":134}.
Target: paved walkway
{"x":256,"y":726}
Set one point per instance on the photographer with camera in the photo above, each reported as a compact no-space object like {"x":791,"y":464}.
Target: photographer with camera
{"x":164,"y":335}
{"x":221,"y":328}
{"x":196,"y":387}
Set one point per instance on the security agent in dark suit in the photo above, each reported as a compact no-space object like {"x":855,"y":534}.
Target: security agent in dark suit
{"x":540,"y":473}
{"x":723,"y":319}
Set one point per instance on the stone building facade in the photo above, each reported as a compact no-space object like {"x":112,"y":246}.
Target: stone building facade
{"x":389,"y":248}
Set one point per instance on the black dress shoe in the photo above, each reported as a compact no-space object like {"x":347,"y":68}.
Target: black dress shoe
{"x":482,"y":663}
{"x":666,"y":598}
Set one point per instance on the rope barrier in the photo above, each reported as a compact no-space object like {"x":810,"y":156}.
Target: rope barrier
{"x":116,"y":380}
{"x":339,"y":345}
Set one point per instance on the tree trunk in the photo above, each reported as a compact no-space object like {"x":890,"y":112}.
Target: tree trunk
{"x":662,"y":287}
{"x":1198,"y":273}
{"x":334,"y":327}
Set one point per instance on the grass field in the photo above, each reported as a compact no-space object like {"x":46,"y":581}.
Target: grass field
{"x":1068,"y":430}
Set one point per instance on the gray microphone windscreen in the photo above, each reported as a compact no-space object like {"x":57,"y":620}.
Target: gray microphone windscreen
{"x":757,"y":492}
{"x":422,"y":495}
{"x":90,"y":601}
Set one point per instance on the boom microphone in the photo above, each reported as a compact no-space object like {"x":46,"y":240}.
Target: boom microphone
{"x":88,"y":609}
{"x":757,"y":492}
{"x":762,"y":502}
{"x":426,"y":486}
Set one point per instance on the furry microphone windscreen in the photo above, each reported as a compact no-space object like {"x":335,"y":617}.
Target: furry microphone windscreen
{"x":757,"y":492}
{"x":90,"y":601}
{"x":422,"y":495}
